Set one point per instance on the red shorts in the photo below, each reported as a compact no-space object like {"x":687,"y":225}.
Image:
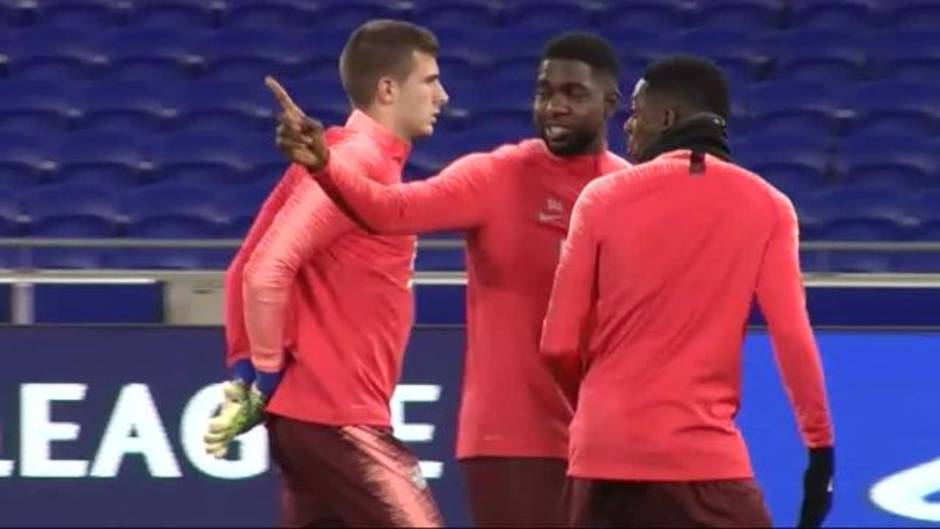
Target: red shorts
{"x":353,"y":476}
{"x":516,"y":491}
{"x":720,"y":503}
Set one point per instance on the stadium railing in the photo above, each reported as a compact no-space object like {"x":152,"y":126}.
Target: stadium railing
{"x":22,"y":279}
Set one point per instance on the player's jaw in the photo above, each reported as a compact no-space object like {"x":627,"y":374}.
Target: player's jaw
{"x":564,"y":138}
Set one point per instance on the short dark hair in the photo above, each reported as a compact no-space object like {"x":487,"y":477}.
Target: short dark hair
{"x":589,"y":48}
{"x":694,"y":81}
{"x":379,"y":48}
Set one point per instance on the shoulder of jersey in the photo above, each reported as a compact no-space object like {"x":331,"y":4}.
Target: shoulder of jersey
{"x":342,"y":136}
{"x":519,"y":150}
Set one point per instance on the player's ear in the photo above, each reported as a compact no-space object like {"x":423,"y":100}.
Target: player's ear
{"x":670,"y":118}
{"x":387,"y":91}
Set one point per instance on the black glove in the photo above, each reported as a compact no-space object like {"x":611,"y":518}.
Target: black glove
{"x":817,"y":487}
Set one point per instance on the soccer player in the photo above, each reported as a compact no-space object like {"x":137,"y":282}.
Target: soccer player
{"x":648,"y":314}
{"x":322,"y":309}
{"x":514,"y":203}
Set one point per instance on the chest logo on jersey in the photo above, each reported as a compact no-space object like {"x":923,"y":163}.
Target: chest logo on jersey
{"x":553,"y":214}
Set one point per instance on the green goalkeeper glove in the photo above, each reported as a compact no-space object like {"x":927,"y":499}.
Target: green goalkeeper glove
{"x":242,"y":409}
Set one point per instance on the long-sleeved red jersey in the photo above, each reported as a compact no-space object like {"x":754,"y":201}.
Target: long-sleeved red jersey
{"x":323,"y":299}
{"x":515,"y":204}
{"x":650,"y":305}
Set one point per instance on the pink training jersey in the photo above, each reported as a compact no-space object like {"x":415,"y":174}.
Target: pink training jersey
{"x":322,"y":299}
{"x":650,"y":305}
{"x":515,"y":203}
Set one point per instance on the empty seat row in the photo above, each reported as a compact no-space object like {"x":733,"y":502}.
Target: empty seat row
{"x":836,"y":55}
{"x":299,"y":14}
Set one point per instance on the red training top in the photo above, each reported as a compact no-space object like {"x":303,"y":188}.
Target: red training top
{"x":650,"y":305}
{"x":515,"y":203}
{"x":339,"y":297}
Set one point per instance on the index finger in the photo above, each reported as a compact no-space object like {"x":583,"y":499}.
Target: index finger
{"x":281,"y":96}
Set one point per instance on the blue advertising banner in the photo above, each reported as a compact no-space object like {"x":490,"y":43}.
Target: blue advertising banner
{"x":103,"y":426}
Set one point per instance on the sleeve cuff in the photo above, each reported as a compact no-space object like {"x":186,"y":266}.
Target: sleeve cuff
{"x":243,"y":371}
{"x":267,"y":382}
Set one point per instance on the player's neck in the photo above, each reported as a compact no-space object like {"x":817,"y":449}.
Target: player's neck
{"x":596,"y":147}
{"x":384,"y":117}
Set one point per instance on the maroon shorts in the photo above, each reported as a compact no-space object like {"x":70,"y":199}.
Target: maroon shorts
{"x":352,"y":476}
{"x":516,"y":491}
{"x":720,"y":503}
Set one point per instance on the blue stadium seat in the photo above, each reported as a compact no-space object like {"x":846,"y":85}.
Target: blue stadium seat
{"x":37,"y":106}
{"x":457,"y":14}
{"x":176,"y":14}
{"x":516,"y":68}
{"x":793,"y":168}
{"x":241,"y":206}
{"x":638,"y":48}
{"x":927,"y":230}
{"x":201,"y":159}
{"x":501,"y":56}
{"x":909,"y":165}
{"x":820,"y":56}
{"x":9,"y":16}
{"x":245,"y":199}
{"x":793,"y":107}
{"x":130,"y":107}
{"x":173,"y":226}
{"x":495,"y":43}
{"x":349,"y":14}
{"x":911,"y":109}
{"x":904,"y":55}
{"x":72,"y":210}
{"x":914,"y":14}
{"x":264,"y":161}
{"x":867,"y":213}
{"x":751,"y":14}
{"x":173,"y":211}
{"x":557,"y":15}
{"x":852,"y":15}
{"x":322,"y":99}
{"x":464,"y":65}
{"x":768,"y":141}
{"x":62,"y":55}
{"x":647,"y":15}
{"x":9,"y":214}
{"x":138,"y":54}
{"x":324,"y":44}
{"x":738,"y":53}
{"x":104,"y":159}
{"x":271,"y":14}
{"x":249,"y":55}
{"x":82,"y":13}
{"x":926,"y":204}
{"x":810,"y":214}
{"x":24,"y":160}
{"x":928,"y":214}
{"x":503,"y":96}
{"x":227,"y":107}
{"x":172,"y":198}
{"x":863,"y":228}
